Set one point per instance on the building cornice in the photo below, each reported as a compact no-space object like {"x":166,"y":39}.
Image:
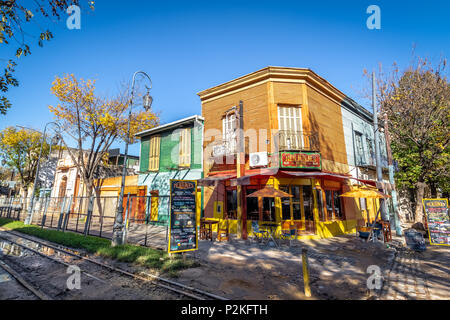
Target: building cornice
{"x":287,"y":75}
{"x":275,"y":74}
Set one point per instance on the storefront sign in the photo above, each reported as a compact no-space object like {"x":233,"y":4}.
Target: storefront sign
{"x":301,"y":160}
{"x":183,"y":216}
{"x":436,"y":211}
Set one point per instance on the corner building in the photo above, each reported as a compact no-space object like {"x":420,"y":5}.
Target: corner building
{"x":292,"y":140}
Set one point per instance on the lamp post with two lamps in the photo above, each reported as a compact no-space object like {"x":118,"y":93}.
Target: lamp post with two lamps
{"x":117,"y":238}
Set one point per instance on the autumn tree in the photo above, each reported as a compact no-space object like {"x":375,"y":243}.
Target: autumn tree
{"x":15,"y":21}
{"x":20,"y":151}
{"x":94,"y":123}
{"x":417,"y":104}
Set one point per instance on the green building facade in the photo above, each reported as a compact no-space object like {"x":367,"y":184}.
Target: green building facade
{"x":170,"y":151}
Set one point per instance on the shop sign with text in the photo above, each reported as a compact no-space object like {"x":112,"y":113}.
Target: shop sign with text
{"x":300,"y":160}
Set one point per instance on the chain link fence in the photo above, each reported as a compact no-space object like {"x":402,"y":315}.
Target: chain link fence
{"x":145,"y":218}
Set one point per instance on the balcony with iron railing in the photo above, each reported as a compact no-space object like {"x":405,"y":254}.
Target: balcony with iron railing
{"x":369,"y":160}
{"x":223,"y":148}
{"x":288,"y":140}
{"x":284,"y":140}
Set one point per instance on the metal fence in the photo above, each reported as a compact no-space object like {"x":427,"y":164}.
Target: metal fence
{"x":144,"y":220}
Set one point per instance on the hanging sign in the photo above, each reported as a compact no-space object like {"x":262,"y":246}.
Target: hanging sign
{"x":301,"y":160}
{"x":436,"y":212}
{"x":183,"y":216}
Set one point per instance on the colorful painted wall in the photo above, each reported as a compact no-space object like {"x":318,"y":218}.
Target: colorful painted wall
{"x":157,"y":183}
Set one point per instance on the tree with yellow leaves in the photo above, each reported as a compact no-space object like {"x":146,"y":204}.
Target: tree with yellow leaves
{"x":94,"y":122}
{"x":20,"y":150}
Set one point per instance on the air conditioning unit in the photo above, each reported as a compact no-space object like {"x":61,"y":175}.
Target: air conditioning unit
{"x":258,"y":159}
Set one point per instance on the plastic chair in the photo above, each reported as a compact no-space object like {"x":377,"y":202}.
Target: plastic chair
{"x":259,"y":234}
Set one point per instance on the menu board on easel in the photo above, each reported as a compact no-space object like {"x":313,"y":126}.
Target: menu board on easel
{"x":436,"y":211}
{"x":183,"y":214}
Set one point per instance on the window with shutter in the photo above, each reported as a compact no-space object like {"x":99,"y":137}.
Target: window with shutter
{"x":290,"y":125}
{"x":153,"y":161}
{"x":185,"y":148}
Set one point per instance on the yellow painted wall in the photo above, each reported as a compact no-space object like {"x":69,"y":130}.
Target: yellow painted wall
{"x":323,"y":229}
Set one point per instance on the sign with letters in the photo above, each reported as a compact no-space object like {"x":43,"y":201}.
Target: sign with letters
{"x":300,"y":160}
{"x":436,"y":212}
{"x":183,"y":216}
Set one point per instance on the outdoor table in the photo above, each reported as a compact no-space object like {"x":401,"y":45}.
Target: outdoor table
{"x":206,"y":229}
{"x":272,"y":226}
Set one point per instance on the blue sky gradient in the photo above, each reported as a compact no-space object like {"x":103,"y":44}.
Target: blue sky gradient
{"x":187,"y":47}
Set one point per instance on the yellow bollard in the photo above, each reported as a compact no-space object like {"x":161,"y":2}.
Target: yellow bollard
{"x":306,"y":272}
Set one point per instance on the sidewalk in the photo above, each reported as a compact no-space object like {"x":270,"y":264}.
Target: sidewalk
{"x":420,"y":275}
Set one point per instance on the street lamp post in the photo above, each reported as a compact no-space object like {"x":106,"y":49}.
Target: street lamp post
{"x":29,"y":217}
{"x":117,"y":238}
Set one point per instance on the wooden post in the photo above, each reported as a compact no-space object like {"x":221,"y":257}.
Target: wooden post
{"x":306,"y":272}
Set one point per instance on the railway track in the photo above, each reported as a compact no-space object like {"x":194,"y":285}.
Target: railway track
{"x":100,"y":274}
{"x":13,"y":273}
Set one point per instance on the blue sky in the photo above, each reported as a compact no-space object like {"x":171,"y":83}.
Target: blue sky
{"x":189,"y":46}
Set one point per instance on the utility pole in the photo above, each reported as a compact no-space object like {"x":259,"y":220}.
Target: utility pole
{"x":396,"y":221}
{"x":384,"y":216}
{"x":240,"y":164}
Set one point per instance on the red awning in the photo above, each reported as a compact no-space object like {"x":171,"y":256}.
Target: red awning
{"x":327,"y":175}
{"x":245,"y":180}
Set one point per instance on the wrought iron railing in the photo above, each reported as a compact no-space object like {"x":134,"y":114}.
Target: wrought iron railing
{"x":297,"y":140}
{"x":223,"y":148}
{"x":370,"y":160}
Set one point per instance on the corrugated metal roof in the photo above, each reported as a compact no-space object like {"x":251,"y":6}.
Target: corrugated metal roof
{"x":169,"y":125}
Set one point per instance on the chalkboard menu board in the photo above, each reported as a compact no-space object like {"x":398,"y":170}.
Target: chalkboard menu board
{"x":183,"y":230}
{"x":436,"y":211}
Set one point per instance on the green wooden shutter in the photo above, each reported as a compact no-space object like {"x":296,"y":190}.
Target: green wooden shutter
{"x":145,"y":147}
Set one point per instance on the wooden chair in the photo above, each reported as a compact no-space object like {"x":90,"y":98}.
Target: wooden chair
{"x":387,"y":231}
{"x":202,"y":229}
{"x":223,"y":232}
